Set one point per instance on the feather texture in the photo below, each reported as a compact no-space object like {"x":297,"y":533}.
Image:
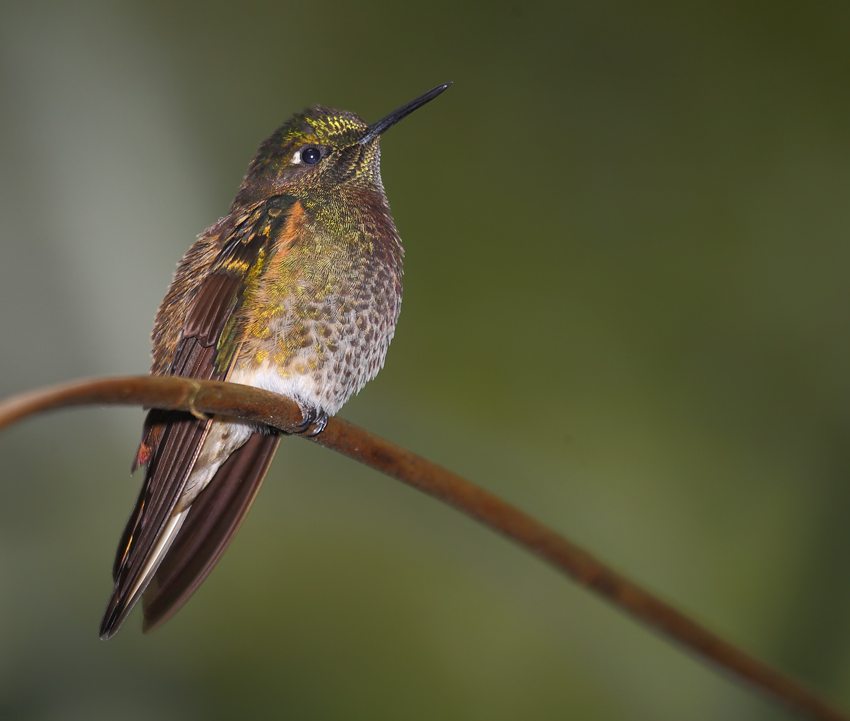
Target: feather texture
{"x":173,"y":441}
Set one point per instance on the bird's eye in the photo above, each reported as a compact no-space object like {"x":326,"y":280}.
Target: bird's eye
{"x":311,"y":156}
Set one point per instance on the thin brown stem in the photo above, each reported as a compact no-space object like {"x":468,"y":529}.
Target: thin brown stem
{"x":254,"y":404}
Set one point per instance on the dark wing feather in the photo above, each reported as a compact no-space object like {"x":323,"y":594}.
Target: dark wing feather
{"x":172,"y":440}
{"x":210,"y":525}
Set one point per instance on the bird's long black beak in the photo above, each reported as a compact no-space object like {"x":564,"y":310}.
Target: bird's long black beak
{"x":386,"y":123}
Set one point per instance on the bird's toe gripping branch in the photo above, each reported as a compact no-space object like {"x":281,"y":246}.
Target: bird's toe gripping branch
{"x":311,"y":416}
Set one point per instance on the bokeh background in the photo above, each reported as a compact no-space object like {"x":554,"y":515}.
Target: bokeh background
{"x":626,"y":311}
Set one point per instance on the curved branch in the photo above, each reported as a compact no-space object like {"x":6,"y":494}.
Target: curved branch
{"x":212,"y":397}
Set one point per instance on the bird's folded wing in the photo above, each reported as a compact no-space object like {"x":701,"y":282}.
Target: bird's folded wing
{"x":173,"y":440}
{"x":210,"y":525}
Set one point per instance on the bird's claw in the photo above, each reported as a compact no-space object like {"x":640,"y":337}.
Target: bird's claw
{"x":311,"y":417}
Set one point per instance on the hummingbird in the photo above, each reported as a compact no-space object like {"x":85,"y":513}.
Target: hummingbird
{"x":297,"y":290}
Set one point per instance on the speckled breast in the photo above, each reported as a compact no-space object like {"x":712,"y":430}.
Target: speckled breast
{"x":323,"y":311}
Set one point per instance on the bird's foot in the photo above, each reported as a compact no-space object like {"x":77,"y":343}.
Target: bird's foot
{"x":311,"y":417}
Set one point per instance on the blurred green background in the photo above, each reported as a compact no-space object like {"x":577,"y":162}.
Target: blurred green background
{"x":626,"y":311}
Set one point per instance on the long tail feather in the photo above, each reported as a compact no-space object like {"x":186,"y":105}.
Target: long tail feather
{"x":211,"y":523}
